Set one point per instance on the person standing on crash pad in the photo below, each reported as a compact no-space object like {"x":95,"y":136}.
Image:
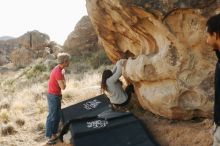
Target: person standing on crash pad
{"x":56,"y":84}
{"x":213,"y":39}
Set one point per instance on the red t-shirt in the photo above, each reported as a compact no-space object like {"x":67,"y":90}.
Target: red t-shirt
{"x":53,"y":86}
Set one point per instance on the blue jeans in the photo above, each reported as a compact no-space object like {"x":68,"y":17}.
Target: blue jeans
{"x":53,"y":118}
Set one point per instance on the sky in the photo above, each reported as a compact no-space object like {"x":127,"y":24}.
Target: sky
{"x":57,"y":18}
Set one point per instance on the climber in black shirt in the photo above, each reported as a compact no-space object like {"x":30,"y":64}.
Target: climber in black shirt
{"x":213,"y":39}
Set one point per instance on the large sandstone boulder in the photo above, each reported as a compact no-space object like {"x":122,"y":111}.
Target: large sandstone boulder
{"x":169,"y":63}
{"x":83,"y":39}
{"x":6,"y":47}
{"x":21,"y":57}
{"x":34,"y":39}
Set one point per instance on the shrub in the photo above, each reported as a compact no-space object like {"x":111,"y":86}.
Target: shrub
{"x":99,"y":59}
{"x":4,"y":116}
{"x":90,"y":60}
{"x":20,"y":122}
{"x":8,"y":83}
{"x":21,"y":57}
{"x":5,"y":103}
{"x":50,"y":64}
{"x":36,"y":71}
{"x":7,"y":129}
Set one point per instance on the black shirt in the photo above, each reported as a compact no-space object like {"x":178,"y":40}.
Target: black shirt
{"x":217,"y":91}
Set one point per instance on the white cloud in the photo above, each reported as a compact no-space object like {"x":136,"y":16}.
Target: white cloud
{"x":57,"y":18}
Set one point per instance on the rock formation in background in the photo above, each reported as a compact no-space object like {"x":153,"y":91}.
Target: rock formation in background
{"x":34,"y":40}
{"x":83,"y":39}
{"x":6,"y":47}
{"x":4,"y":38}
{"x":22,"y":50}
{"x":169,"y":63}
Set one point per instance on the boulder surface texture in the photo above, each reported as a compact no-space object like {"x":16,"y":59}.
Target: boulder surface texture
{"x":169,"y":62}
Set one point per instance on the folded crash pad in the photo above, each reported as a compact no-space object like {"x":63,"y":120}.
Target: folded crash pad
{"x":87,"y":108}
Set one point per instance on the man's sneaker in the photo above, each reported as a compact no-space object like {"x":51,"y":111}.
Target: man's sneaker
{"x":51,"y":142}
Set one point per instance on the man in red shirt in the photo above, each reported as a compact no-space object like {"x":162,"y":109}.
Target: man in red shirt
{"x":56,"y":84}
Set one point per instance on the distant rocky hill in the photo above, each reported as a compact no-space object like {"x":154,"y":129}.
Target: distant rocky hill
{"x":83,"y":39}
{"x":6,"y":47}
{"x":6,"y":38}
{"x":24,"y":49}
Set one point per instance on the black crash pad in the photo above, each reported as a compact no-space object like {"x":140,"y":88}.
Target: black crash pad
{"x":110,"y":129}
{"x":88,"y":108}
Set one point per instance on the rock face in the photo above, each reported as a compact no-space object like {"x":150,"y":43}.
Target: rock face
{"x":83,"y":39}
{"x":6,"y":47}
{"x":34,"y":40}
{"x":169,"y":62}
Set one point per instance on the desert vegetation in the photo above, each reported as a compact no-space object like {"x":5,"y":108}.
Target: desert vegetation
{"x":21,"y":61}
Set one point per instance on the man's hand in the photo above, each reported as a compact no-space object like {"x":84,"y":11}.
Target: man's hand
{"x":62,"y":84}
{"x":63,"y":71}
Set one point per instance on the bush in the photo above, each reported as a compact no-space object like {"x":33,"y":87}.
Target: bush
{"x":4,"y":105}
{"x":7,"y":130}
{"x":50,"y":64}
{"x":4,"y":116}
{"x":99,"y":58}
{"x":90,"y":60}
{"x":21,"y":57}
{"x":20,"y":122}
{"x":37,"y":70}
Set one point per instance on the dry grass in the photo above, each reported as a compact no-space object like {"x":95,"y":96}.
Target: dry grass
{"x":25,"y":107}
{"x":41,"y":126}
{"x":81,"y":88}
{"x":41,"y":107}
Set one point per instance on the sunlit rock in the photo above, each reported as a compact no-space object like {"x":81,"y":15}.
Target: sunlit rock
{"x":83,"y":39}
{"x":169,"y":62}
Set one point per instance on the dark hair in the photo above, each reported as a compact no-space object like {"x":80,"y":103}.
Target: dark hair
{"x":105,"y":75}
{"x":213,"y":25}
